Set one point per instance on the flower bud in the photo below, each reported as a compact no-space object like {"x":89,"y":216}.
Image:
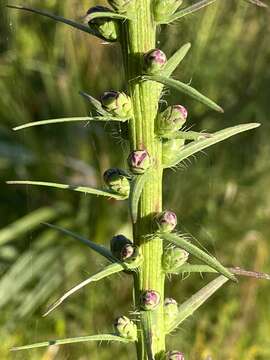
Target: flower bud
{"x":125,"y":328}
{"x":171,"y":120}
{"x":122,"y":248}
{"x":175,"y":355}
{"x":154,"y":61}
{"x":139,"y":161}
{"x":121,"y":6}
{"x":170,"y":151}
{"x":173,"y":259}
{"x":117,"y":181}
{"x":150,"y":299}
{"x":117,"y":104}
{"x":166,"y":221}
{"x":170,"y":308}
{"x":105,"y":28}
{"x":163,"y":9}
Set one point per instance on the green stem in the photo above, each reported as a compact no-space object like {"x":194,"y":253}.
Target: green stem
{"x":139,"y":36}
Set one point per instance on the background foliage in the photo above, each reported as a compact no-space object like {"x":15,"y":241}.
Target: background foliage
{"x":222,"y":199}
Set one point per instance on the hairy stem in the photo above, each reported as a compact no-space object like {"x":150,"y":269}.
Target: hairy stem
{"x":139,"y":36}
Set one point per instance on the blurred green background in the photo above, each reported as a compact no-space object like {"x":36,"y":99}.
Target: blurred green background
{"x":222,"y":198}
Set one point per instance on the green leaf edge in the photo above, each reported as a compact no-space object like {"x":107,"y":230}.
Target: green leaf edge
{"x":83,"y":189}
{"x":198,"y":145}
{"x":175,"y":60}
{"x":185,"y":89}
{"x":101,"y":337}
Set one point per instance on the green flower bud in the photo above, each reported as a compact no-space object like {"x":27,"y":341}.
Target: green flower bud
{"x":139,"y":161}
{"x":173,"y":259}
{"x":154,"y":61}
{"x":105,"y":28}
{"x":175,"y":355}
{"x":170,"y":310}
{"x":122,"y":248}
{"x":125,"y":328}
{"x":170,"y":150}
{"x":121,"y":6}
{"x":150,"y":299}
{"x":117,"y":103}
{"x":166,"y":221}
{"x":163,"y":9}
{"x":171,"y":120}
{"x":117,"y":181}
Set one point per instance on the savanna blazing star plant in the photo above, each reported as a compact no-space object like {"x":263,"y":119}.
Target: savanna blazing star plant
{"x":157,"y":142}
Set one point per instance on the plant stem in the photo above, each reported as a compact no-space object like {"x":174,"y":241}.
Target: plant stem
{"x":139,"y":36}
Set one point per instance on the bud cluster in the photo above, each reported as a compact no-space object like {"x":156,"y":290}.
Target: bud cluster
{"x":170,"y":151}
{"x":117,"y":103}
{"x":154,"y":61}
{"x":121,"y":6}
{"x":105,"y":28}
{"x":170,"y":310}
{"x":139,"y":161}
{"x":171,"y":120}
{"x":166,"y":221}
{"x":122,"y":248}
{"x":117,"y":181}
{"x":175,"y":355}
{"x":150,"y":299}
{"x":173,"y":259}
{"x":125,"y":328}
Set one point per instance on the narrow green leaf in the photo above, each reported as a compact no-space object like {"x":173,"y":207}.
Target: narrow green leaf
{"x":196,"y":146}
{"x":83,"y":189}
{"x":101,"y":337}
{"x":136,"y":189}
{"x":190,"y":268}
{"x":184,"y":88}
{"x":105,"y":14}
{"x":175,"y":60}
{"x":58,"y":18}
{"x":30,"y":222}
{"x":188,"y":135}
{"x":191,"y":305}
{"x":96,"y":247}
{"x":66,"y":120}
{"x":189,"y":10}
{"x":198,"y":253}
{"x":95,"y":103}
{"x":109,"y":270}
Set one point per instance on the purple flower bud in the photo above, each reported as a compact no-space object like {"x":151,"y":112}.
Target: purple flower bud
{"x":175,"y":355}
{"x":139,"y":161}
{"x":166,"y":221}
{"x":150,"y":299}
{"x":171,"y":120}
{"x":117,"y":181}
{"x":122,"y":248}
{"x":104,"y":28}
{"x":154,"y":61}
{"x":126,"y":328}
{"x":117,"y":104}
{"x":173,"y":259}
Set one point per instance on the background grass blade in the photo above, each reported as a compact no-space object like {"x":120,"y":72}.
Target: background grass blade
{"x":190,"y":10}
{"x":30,"y":222}
{"x":192,"y":304}
{"x":109,"y":270}
{"x":83,"y":189}
{"x":185,"y":89}
{"x":96,"y":247}
{"x":66,"y":120}
{"x":179,"y":241}
{"x":101,"y":337}
{"x":58,"y":18}
{"x":215,"y":138}
{"x":175,"y":60}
